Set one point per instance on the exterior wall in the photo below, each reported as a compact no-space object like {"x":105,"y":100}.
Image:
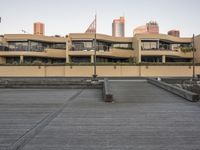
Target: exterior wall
{"x":180,"y":71}
{"x":197,"y":46}
{"x":87,"y":71}
{"x":120,"y":53}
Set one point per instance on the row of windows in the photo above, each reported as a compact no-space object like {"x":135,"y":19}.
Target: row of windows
{"x":100,"y":45}
{"x":35,"y":60}
{"x":158,"y":59}
{"x":86,"y":59}
{"x":155,"y":45}
{"x":32,"y":46}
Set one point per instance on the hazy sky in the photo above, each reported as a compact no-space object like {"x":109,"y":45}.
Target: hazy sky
{"x":71,"y":16}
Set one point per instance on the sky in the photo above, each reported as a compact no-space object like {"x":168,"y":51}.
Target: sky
{"x":62,"y":17}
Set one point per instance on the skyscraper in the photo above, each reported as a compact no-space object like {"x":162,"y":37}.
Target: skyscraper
{"x":38,"y":28}
{"x":175,"y":33}
{"x":140,"y":30}
{"x":152,"y":27}
{"x":118,"y":27}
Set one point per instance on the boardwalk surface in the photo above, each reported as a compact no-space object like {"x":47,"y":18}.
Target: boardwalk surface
{"x":143,"y":117}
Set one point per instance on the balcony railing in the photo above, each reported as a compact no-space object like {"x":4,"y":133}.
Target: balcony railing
{"x":98,"y":48}
{"x":82,"y":48}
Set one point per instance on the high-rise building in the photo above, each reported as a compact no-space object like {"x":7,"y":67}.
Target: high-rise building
{"x":118,"y":27}
{"x":175,"y":33}
{"x":140,"y":30}
{"x":38,"y":28}
{"x":152,"y":27}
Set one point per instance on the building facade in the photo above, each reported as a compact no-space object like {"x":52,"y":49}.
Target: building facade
{"x":151,"y":27}
{"x":140,"y":30}
{"x":175,"y":33}
{"x":38,"y":28}
{"x":80,"y":47}
{"x":118,"y":27}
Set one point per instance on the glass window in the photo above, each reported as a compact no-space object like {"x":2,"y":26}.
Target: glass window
{"x":149,"y":45}
{"x":122,"y":45}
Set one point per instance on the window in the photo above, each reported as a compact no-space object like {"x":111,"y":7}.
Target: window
{"x":149,"y":45}
{"x":122,"y":45}
{"x":82,"y":45}
{"x":34,"y":46}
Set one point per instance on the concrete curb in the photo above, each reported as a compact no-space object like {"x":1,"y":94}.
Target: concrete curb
{"x":47,"y":84}
{"x":107,"y":95}
{"x":190,"y":96}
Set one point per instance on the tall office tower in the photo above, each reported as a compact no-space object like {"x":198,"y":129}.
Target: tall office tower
{"x":152,"y":27}
{"x":118,"y":27}
{"x":140,"y":30}
{"x":38,"y":28}
{"x":175,"y":33}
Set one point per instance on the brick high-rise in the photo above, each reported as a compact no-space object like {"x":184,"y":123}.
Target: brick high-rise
{"x":38,"y":28}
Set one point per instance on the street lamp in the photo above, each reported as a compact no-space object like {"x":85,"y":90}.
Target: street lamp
{"x":95,"y":49}
{"x":193,"y":60}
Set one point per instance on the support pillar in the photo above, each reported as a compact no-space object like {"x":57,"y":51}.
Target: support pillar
{"x":67,"y":51}
{"x":2,"y":60}
{"x":92,"y":58}
{"x":21,"y":59}
{"x":163,"y":59}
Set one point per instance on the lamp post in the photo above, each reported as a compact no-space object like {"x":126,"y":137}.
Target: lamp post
{"x":193,"y":60}
{"x":95,"y":49}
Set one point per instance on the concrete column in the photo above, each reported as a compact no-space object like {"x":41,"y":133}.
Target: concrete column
{"x":21,"y":59}
{"x":92,"y":58}
{"x":139,"y":59}
{"x":2,"y":60}
{"x":67,"y":59}
{"x":139,"y":52}
{"x":67,"y":51}
{"x":163,"y":59}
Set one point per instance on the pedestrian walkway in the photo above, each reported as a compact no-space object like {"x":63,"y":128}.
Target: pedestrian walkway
{"x":142,"y":117}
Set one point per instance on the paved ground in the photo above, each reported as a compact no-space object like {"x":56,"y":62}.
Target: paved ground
{"x":143,"y":117}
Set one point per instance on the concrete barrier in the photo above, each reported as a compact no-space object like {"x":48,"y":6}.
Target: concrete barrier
{"x":107,"y":95}
{"x":190,"y":96}
{"x":48,"y":83}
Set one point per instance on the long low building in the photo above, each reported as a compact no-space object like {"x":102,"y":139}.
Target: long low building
{"x":81,"y":48}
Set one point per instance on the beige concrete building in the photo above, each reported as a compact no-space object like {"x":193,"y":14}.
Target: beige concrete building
{"x":80,"y":47}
